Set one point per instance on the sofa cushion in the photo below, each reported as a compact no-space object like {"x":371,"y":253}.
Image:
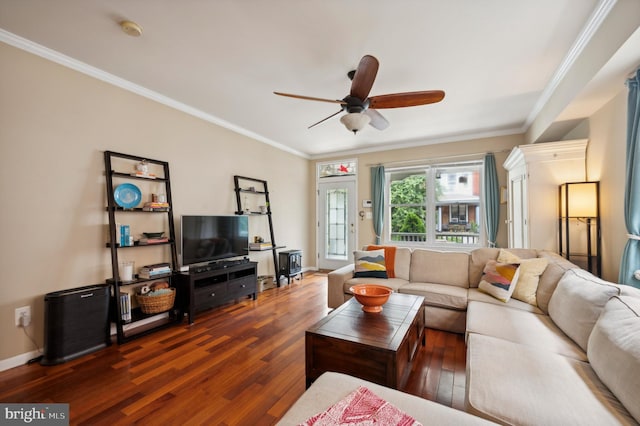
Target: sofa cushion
{"x":431,"y":266}
{"x":369,"y":264}
{"x":330,"y":388}
{"x":478,"y":258}
{"x":442,"y":295}
{"x":518,"y":384}
{"x":499,"y":279}
{"x":549,"y":279}
{"x":521,"y":327}
{"x":530,"y":271}
{"x":614,"y":350}
{"x":477,"y":295}
{"x":577,"y":303}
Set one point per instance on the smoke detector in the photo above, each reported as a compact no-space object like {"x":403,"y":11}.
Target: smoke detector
{"x":131,"y":28}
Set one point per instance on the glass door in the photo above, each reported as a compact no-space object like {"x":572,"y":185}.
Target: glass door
{"x":336,"y":223}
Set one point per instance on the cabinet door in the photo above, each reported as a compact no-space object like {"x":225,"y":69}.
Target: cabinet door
{"x":518,"y":220}
{"x":241,"y":287}
{"x":210,"y":296}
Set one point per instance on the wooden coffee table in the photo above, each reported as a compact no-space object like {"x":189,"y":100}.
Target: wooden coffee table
{"x":378,"y":347}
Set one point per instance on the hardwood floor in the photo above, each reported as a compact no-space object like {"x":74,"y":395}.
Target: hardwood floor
{"x":242,"y":364}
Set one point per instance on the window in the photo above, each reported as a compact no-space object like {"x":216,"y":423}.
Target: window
{"x":336,"y":224}
{"x":436,"y":205}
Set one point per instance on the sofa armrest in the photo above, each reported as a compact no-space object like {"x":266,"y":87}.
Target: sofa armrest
{"x":336,"y":280}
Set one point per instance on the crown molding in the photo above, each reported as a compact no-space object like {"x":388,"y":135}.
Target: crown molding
{"x":84,"y":68}
{"x":593,"y":24}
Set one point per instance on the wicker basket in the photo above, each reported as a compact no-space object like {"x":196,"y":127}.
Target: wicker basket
{"x":156,"y":304}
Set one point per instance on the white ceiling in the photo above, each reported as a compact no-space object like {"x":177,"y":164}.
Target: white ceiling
{"x":497,"y":60}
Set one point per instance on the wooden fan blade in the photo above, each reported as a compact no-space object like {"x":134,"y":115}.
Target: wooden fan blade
{"x":407,"y":99}
{"x":310,"y":98}
{"x":377,"y":120}
{"x":324,"y":119}
{"x":364,"y":77}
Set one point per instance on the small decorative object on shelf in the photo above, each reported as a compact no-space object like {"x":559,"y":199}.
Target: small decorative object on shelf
{"x":142,"y":167}
{"x":127,"y":195}
{"x":159,"y":198}
{"x":159,"y":298}
{"x":142,"y":170}
{"x":126,"y":271}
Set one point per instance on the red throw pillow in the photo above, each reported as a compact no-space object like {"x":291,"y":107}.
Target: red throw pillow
{"x":389,"y":256}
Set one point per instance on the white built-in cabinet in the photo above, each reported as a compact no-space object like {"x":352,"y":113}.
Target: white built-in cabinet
{"x":534,"y":174}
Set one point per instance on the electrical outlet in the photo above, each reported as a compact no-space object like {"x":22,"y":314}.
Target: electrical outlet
{"x":26,"y":312}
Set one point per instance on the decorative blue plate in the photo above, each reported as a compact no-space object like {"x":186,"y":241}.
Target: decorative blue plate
{"x":127,"y":195}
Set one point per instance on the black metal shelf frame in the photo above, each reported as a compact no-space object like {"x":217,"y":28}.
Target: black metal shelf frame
{"x":125,"y":334}
{"x":239,"y":189}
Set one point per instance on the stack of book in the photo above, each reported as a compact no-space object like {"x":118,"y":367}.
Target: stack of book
{"x":260,"y":246}
{"x":145,"y":240}
{"x":154,"y":271}
{"x":154,"y":206}
{"x":125,"y":305}
{"x":143,"y":175}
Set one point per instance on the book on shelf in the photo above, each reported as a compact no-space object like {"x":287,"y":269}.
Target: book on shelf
{"x":143,"y":175}
{"x":154,"y":271}
{"x":155,"y":206}
{"x":125,"y":307}
{"x":260,"y":246}
{"x":144,"y":241}
{"x":125,"y":236}
{"x":153,"y":275}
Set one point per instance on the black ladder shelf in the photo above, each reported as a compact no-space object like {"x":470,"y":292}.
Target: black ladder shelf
{"x":247,"y":185}
{"x":147,"y":323}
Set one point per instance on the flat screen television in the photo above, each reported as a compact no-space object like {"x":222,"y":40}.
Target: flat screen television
{"x":212,"y":238}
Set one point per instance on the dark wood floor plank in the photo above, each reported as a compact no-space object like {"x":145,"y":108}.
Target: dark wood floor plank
{"x":241,"y":364}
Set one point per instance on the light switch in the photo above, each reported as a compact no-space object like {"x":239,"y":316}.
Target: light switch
{"x":369,"y":215}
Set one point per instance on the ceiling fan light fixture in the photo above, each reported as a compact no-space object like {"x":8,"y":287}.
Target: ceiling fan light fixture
{"x":355,"y":121}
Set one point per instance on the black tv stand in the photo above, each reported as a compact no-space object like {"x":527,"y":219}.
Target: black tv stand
{"x":223,"y":282}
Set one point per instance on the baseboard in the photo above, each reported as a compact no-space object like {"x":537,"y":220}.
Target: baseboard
{"x":18,"y":360}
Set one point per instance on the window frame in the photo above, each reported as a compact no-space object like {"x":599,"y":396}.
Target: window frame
{"x":431,"y":207}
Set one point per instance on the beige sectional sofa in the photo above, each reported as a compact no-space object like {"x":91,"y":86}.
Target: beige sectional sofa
{"x":572,"y":357}
{"x":448,"y":281}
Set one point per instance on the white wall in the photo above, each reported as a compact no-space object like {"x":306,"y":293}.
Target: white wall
{"x":55,"y":124}
{"x":606,"y":156}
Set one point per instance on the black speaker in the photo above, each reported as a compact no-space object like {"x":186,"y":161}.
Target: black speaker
{"x":76,"y":322}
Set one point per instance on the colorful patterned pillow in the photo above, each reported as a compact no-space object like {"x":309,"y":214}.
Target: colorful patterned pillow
{"x":529,"y":276}
{"x":499,"y":279}
{"x":369,"y":264}
{"x":389,"y":257}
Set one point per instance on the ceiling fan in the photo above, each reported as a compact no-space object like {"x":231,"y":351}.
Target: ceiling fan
{"x":362,"y":109}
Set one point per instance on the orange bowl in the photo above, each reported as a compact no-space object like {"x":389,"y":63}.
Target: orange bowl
{"x":371,"y":296}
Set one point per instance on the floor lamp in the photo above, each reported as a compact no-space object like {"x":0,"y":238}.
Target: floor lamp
{"x":579,"y":224}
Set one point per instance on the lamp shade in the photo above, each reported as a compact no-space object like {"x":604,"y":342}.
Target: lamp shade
{"x":579,"y":199}
{"x":355,"y":121}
